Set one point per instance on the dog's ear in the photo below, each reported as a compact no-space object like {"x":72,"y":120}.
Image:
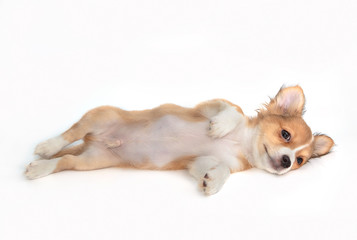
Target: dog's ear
{"x":289,"y":101}
{"x":322,"y":145}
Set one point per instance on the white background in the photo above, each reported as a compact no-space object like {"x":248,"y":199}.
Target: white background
{"x":60,"y":58}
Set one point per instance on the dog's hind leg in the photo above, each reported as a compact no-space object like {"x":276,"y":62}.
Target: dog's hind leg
{"x":90,"y":159}
{"x":94,"y":122}
{"x":74,"y":150}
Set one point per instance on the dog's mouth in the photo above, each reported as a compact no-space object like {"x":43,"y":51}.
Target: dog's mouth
{"x":272,"y":162}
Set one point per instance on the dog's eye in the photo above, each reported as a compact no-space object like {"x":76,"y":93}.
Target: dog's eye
{"x":299,"y":160}
{"x":286,"y":135}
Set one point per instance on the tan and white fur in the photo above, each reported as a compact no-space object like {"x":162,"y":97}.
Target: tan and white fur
{"x":211,"y":140}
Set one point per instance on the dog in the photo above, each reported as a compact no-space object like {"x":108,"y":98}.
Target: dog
{"x":211,"y":140}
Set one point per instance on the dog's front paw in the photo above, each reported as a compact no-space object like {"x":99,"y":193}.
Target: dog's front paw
{"x":224,"y":122}
{"x":50,"y":147}
{"x":219,"y":128}
{"x":213,"y":181}
{"x":40,"y":168}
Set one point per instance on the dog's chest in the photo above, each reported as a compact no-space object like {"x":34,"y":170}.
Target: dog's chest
{"x":170,"y":138}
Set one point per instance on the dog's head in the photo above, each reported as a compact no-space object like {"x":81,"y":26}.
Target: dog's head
{"x":285,"y":142}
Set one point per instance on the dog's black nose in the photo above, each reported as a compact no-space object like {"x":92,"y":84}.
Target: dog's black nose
{"x":285,"y":161}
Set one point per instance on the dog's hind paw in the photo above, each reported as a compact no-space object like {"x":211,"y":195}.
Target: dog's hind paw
{"x":41,"y":168}
{"x":50,"y":147}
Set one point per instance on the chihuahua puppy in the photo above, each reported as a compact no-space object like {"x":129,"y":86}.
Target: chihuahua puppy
{"x":211,"y":140}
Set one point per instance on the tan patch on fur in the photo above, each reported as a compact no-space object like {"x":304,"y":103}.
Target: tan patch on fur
{"x":87,"y":162}
{"x":101,"y":117}
{"x":272,"y":125}
{"x":176,"y":164}
{"x":179,"y":163}
{"x":245,"y":165}
{"x":188,"y":114}
{"x":305,"y":154}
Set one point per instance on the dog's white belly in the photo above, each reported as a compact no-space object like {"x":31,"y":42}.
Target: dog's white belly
{"x":167,"y":139}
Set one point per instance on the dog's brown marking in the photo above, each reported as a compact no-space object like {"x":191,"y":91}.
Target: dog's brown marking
{"x":87,"y":162}
{"x":244,"y":164}
{"x":179,"y":163}
{"x":272,"y":125}
{"x":305,"y":154}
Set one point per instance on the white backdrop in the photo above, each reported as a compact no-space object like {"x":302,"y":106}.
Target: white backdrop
{"x":60,"y":58}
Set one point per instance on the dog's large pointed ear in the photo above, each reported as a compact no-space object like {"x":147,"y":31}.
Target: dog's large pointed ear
{"x":322,"y":145}
{"x":289,"y":101}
